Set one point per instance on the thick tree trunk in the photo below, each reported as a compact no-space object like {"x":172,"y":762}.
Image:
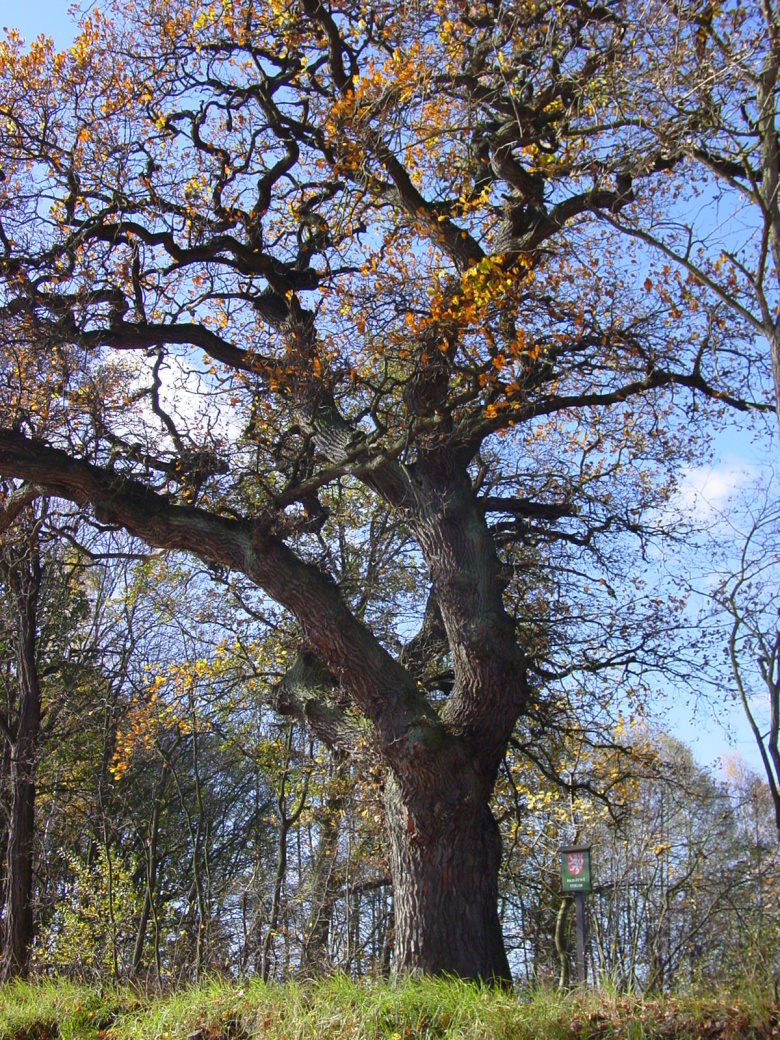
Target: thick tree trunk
{"x":445,"y":887}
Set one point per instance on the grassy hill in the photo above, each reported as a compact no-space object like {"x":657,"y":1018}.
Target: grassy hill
{"x":342,"y":1010}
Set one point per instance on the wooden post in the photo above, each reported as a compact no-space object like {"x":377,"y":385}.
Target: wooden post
{"x":582,"y":968}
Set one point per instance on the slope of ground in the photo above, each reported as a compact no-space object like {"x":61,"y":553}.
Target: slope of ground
{"x":342,"y":1010}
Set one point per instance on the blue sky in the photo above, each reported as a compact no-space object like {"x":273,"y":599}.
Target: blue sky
{"x":717,"y":494}
{"x":33,"y":17}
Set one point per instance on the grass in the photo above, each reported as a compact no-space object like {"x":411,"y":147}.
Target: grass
{"x":55,"y":1009}
{"x":339,"y":1009}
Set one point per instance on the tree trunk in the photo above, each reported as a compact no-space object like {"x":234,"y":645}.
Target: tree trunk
{"x":24,"y":579}
{"x":562,"y":942}
{"x":286,"y":823}
{"x":445,"y":887}
{"x":324,"y":876}
{"x":276,"y":901}
{"x":151,"y":863}
{"x":19,"y":883}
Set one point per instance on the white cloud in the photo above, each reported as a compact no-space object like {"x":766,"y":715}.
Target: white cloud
{"x":704,"y":493}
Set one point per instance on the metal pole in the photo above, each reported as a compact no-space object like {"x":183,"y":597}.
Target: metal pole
{"x":579,"y":900}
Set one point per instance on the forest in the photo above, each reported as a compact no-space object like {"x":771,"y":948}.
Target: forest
{"x":356,"y":366}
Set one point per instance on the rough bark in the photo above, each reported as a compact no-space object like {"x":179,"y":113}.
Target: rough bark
{"x":445,"y":844}
{"x":309,"y":693}
{"x":445,"y":853}
{"x":468,"y":583}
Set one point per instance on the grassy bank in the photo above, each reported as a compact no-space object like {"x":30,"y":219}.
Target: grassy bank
{"x":342,"y":1010}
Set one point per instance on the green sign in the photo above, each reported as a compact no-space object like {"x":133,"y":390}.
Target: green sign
{"x":575,"y":869}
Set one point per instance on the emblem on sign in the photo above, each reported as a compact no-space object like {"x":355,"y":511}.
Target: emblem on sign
{"x":575,"y":868}
{"x":575,"y":862}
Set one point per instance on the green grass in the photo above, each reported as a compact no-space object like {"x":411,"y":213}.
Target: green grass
{"x":55,"y":1009}
{"x":338,"y":1009}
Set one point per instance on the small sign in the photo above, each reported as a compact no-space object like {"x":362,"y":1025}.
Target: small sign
{"x":575,"y":868}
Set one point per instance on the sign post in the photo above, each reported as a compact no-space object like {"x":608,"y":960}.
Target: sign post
{"x":575,"y":877}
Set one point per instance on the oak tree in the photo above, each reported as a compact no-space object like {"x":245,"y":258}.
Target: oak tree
{"x":281,"y":275}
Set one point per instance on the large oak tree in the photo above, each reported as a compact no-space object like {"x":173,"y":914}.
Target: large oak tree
{"x":271,"y":271}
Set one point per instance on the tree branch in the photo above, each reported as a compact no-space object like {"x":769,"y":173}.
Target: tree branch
{"x":15,"y":502}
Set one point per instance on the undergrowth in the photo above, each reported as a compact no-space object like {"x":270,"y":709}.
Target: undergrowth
{"x":339,"y":1009}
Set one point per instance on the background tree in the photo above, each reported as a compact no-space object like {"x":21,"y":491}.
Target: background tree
{"x":684,"y":869}
{"x":699,"y":85}
{"x":743,"y":618}
{"x":21,"y":577}
{"x":46,"y":653}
